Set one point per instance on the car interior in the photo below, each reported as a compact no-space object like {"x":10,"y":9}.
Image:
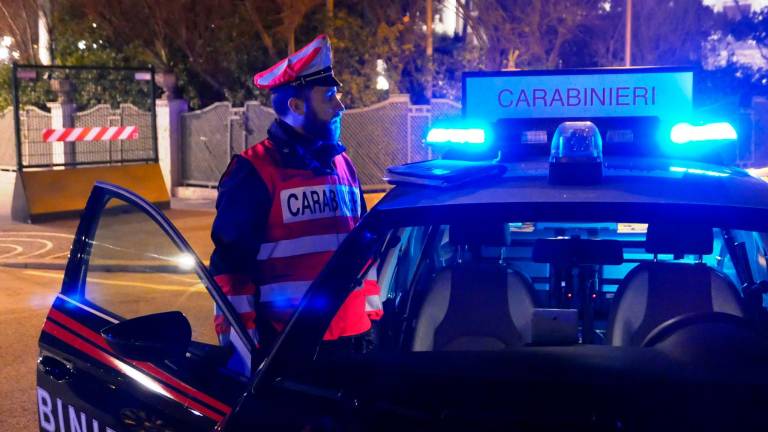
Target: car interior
{"x":516,"y":285}
{"x":591,"y":325}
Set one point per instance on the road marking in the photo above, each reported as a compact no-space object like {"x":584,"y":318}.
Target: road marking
{"x":62,"y":254}
{"x":17,"y":249}
{"x":121,"y":283}
{"x":47,"y":245}
{"x":2,"y":233}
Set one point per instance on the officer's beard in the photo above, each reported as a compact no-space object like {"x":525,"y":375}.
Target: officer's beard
{"x":324,"y":131}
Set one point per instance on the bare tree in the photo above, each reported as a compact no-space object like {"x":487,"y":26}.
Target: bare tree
{"x":292,"y":15}
{"x":18,"y":19}
{"x":537,"y":29}
{"x":253,"y":9}
{"x":663,"y":32}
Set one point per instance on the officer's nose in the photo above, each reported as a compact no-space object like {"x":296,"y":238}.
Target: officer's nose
{"x":339,"y":106}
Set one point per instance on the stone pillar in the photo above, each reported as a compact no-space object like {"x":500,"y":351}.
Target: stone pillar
{"x":169,"y":110}
{"x":63,"y":116}
{"x":167,"y":81}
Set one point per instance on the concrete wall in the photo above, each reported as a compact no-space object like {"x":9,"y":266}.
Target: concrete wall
{"x":13,"y":203}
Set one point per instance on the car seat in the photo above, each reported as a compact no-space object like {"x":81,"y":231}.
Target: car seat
{"x":655,"y":292}
{"x":476,"y":304}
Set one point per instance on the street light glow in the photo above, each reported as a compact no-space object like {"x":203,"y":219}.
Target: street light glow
{"x":382,"y":83}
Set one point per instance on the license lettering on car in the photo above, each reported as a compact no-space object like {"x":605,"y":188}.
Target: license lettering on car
{"x":58,"y":416}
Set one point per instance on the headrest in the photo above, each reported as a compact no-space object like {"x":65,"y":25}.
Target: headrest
{"x":679,"y":239}
{"x":477,"y":234}
{"x":578,"y":251}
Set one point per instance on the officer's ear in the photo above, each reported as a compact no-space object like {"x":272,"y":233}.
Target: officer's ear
{"x":297,"y":105}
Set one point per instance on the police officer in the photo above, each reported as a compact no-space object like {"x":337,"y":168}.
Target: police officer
{"x":286,"y":203}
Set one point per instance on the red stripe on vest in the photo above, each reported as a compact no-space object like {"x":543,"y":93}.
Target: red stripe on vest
{"x":235,"y":284}
{"x":316,"y":226}
{"x":289,"y":269}
{"x":220,"y":324}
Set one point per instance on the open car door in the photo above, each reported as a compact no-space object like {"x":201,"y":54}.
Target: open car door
{"x":129,"y":343}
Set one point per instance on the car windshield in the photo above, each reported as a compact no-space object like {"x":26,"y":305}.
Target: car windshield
{"x":501,"y":285}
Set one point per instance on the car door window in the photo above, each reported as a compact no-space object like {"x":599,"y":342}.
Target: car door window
{"x":135,"y":270}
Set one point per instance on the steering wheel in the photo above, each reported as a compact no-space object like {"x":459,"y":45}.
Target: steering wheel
{"x":709,"y":337}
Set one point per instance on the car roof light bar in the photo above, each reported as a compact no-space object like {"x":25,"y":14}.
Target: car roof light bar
{"x":683,"y":133}
{"x":456,"y":136}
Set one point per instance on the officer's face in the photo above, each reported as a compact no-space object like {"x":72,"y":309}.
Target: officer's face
{"x":322,"y":119}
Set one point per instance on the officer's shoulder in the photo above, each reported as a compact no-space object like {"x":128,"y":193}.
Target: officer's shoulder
{"x":240,"y":170}
{"x":263,"y":150}
{"x":344,"y":158}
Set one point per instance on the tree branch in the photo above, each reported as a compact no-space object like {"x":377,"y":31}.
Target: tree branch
{"x":266,"y":39}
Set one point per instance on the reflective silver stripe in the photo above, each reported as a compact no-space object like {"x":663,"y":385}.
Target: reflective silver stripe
{"x":243,"y":303}
{"x":373,"y":303}
{"x":284,"y":290}
{"x":93,"y":311}
{"x":300,"y":246}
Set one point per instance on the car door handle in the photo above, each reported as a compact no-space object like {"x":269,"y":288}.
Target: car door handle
{"x":55,"y":368}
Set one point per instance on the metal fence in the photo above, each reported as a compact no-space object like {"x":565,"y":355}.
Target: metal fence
{"x":376,"y":137}
{"x":34,"y":151}
{"x":207,"y":143}
{"x":87,"y":102}
{"x":139,"y":149}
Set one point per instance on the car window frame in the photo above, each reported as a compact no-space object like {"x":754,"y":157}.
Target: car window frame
{"x":76,"y":270}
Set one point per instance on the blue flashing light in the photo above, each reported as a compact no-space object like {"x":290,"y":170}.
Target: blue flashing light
{"x":576,"y":155}
{"x":683,"y":133}
{"x":698,"y":171}
{"x":461,"y":136}
{"x":456,"y":136}
{"x":577,"y":142}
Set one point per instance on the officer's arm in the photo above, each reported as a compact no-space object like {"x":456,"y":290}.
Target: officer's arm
{"x":242,"y":210}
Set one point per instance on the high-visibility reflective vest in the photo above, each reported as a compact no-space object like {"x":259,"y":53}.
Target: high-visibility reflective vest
{"x":309,"y":217}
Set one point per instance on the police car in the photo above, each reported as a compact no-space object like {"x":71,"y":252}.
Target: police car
{"x":573,"y":261}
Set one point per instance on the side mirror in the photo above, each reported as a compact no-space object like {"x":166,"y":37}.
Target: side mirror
{"x":151,"y":338}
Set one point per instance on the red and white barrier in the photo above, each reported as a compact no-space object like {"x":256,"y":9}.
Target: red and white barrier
{"x":91,"y":134}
